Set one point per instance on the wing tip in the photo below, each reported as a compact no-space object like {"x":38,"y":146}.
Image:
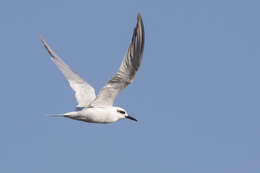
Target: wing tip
{"x":139,"y":15}
{"x":44,"y":43}
{"x":42,"y":40}
{"x":47,"y":47}
{"x":139,"y":18}
{"x":140,"y":22}
{"x":139,"y":30}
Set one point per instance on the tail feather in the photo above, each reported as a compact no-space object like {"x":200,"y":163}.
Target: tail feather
{"x":56,"y":115}
{"x":68,"y":114}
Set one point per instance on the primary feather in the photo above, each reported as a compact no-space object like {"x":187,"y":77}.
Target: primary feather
{"x":84,"y":93}
{"x":127,"y":70}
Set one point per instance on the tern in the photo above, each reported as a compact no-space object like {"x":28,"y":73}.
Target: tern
{"x":100,"y":109}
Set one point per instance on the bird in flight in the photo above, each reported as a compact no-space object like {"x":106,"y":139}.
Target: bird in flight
{"x":100,"y":109}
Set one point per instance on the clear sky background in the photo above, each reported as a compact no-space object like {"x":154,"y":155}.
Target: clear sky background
{"x":196,"y":95}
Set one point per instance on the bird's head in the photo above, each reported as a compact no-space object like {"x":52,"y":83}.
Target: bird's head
{"x":123,"y":114}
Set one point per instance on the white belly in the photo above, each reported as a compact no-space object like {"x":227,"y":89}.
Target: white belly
{"x":98,"y":115}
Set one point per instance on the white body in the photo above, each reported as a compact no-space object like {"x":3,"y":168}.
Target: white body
{"x":97,"y":115}
{"x":100,"y":109}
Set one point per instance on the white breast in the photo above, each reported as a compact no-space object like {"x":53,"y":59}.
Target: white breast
{"x":100,"y":115}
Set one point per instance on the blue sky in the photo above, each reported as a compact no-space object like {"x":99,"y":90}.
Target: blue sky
{"x":196,"y":95}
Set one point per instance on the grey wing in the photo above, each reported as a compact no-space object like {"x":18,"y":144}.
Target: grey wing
{"x":84,"y":93}
{"x":127,"y":70}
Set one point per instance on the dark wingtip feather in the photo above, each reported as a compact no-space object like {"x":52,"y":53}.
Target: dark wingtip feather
{"x":47,"y":47}
{"x":139,"y":20}
{"x":139,"y":16}
{"x":139,"y":30}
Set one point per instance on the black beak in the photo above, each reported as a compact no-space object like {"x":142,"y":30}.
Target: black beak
{"x":131,"y":118}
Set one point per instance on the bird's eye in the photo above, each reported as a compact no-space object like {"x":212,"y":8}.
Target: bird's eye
{"x":120,"y":111}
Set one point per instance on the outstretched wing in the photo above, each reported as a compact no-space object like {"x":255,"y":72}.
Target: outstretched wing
{"x":127,"y":70}
{"x":84,"y":93}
